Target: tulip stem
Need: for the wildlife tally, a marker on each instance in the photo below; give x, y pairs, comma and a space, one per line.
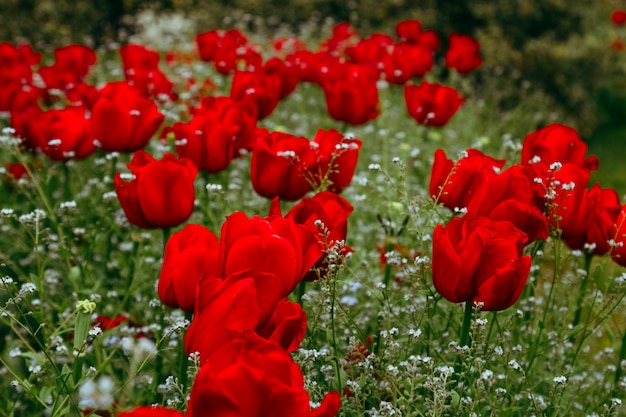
386, 278
67, 190
166, 235
109, 235
620, 360
158, 372
583, 285
333, 289
131, 276
209, 217
467, 321
301, 291
542, 322
182, 357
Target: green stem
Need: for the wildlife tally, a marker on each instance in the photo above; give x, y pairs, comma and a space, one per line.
386, 279
166, 235
467, 321
491, 326
67, 190
334, 336
109, 235
131, 276
583, 285
209, 216
301, 291
182, 357
158, 366
622, 357
542, 323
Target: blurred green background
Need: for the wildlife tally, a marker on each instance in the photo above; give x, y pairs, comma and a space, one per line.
559, 50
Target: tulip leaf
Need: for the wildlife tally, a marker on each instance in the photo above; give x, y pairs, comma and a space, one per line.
81, 329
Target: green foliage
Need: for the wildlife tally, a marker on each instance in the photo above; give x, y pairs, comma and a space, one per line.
556, 47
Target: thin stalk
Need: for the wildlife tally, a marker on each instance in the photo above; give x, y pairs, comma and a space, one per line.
333, 330
158, 366
158, 372
386, 278
209, 216
622, 357
182, 357
131, 275
546, 307
67, 189
583, 285
467, 321
301, 291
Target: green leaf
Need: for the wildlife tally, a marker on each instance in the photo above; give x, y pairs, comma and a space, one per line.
456, 399
82, 325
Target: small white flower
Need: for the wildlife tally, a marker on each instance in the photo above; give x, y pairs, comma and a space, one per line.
556, 166
68, 204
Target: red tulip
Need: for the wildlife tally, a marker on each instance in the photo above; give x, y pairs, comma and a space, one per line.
276, 167
229, 112
313, 67
618, 17
189, 255
556, 143
15, 170
122, 120
326, 215
16, 90
463, 53
273, 245
286, 72
210, 43
409, 30
227, 308
245, 301
261, 89
351, 93
509, 196
81, 94
209, 143
71, 65
430, 40
564, 192
63, 134
249, 377
243, 58
601, 208
161, 192
334, 159
407, 61
342, 36
455, 184
480, 260
286, 327
372, 51
26, 125
432, 104
141, 68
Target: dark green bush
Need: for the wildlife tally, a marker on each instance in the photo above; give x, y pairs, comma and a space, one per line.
559, 47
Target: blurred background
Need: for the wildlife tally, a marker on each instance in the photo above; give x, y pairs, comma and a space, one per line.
567, 55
